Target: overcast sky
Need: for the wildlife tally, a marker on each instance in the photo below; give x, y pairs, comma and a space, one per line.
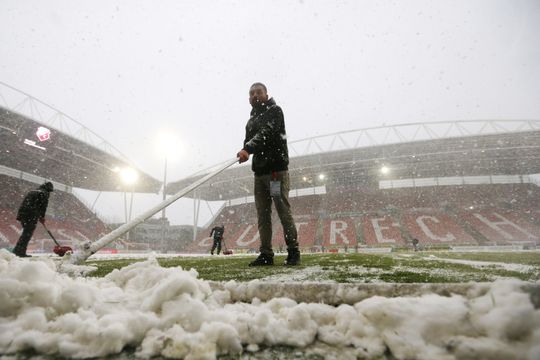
129, 70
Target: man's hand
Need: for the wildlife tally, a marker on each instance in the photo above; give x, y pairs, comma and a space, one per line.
42, 220
243, 156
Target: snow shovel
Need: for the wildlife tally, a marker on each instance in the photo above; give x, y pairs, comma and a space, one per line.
58, 249
226, 251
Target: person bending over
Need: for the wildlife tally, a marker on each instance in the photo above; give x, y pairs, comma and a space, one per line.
32, 209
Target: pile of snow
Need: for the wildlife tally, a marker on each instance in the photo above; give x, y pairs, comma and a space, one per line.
172, 313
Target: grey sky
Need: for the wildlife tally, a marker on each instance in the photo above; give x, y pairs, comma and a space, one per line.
129, 69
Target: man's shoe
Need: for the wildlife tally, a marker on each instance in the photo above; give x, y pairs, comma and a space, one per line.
293, 258
23, 255
263, 260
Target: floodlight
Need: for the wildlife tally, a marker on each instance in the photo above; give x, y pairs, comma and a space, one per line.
304, 178
385, 170
322, 176
129, 176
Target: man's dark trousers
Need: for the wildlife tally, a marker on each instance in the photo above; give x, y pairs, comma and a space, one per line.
28, 230
217, 243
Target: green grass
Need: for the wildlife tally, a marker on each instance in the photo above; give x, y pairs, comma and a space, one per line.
351, 268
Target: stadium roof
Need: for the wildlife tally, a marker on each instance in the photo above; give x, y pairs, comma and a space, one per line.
420, 150
68, 153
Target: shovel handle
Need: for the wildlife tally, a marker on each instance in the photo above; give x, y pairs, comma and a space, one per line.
50, 234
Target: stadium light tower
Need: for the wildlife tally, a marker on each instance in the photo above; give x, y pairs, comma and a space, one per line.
129, 177
168, 146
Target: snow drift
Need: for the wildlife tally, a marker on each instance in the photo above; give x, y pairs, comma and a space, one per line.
170, 312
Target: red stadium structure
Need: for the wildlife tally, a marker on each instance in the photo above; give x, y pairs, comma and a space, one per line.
39, 143
446, 184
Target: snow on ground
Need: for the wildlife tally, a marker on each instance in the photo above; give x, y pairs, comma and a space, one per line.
170, 312
323, 274
483, 264
309, 273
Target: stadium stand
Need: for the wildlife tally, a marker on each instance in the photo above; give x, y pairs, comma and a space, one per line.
435, 228
38, 143
67, 218
502, 227
339, 232
445, 183
437, 216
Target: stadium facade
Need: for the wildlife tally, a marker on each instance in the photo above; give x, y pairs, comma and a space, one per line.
40, 143
444, 183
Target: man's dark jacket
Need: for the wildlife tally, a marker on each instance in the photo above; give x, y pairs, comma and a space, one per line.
266, 139
218, 232
34, 206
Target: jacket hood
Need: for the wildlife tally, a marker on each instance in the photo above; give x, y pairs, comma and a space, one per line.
48, 186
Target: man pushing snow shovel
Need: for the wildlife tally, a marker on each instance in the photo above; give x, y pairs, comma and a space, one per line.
32, 209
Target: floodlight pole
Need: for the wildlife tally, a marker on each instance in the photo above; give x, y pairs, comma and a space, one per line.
162, 244
80, 255
131, 204
95, 201
125, 207
130, 211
